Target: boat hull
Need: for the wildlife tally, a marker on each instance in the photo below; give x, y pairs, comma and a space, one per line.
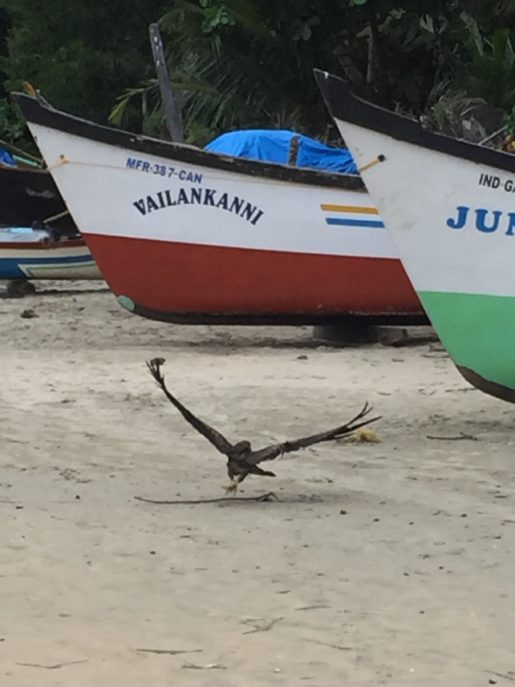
186, 235
481, 353
37, 260
30, 196
450, 208
234, 284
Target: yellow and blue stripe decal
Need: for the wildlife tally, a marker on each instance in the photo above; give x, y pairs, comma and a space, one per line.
344, 216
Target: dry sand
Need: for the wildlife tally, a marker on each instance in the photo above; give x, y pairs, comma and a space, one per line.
382, 564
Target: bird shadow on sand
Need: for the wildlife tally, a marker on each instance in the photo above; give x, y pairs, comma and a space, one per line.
266, 499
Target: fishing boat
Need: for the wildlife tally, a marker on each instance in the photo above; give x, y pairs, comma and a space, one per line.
187, 235
29, 196
449, 205
38, 237
27, 254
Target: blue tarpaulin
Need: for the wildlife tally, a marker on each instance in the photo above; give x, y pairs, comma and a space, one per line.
6, 158
273, 146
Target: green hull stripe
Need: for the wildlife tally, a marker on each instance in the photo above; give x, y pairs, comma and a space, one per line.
477, 330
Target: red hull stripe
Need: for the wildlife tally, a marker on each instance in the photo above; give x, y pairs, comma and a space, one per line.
183, 277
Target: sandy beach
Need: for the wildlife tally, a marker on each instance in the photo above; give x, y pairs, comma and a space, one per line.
385, 563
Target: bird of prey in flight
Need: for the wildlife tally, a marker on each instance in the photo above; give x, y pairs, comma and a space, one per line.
242, 460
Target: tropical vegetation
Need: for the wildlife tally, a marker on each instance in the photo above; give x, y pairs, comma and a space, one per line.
248, 63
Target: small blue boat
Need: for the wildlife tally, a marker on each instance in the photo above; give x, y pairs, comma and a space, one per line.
27, 253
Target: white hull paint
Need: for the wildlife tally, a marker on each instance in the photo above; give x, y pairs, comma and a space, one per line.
419, 193
104, 194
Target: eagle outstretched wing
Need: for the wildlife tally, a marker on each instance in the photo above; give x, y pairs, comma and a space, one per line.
275, 450
212, 435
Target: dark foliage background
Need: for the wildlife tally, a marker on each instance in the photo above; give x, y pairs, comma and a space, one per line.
248, 63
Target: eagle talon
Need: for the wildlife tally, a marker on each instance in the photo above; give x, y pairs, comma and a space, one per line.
232, 488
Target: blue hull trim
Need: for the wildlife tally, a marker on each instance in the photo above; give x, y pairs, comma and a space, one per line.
10, 267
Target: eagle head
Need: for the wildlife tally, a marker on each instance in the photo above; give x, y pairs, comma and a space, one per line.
242, 447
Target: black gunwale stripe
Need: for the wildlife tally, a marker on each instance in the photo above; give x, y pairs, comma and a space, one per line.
38, 113
344, 105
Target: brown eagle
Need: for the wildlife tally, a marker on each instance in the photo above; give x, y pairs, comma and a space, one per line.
241, 459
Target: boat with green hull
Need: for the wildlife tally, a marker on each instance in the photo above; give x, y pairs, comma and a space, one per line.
449, 206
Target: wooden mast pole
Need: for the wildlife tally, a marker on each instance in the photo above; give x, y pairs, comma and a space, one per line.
172, 112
